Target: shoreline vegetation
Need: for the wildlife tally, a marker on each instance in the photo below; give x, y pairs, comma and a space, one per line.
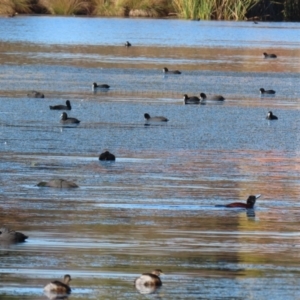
253, 10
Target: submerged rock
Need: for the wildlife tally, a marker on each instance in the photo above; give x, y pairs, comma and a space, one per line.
58, 183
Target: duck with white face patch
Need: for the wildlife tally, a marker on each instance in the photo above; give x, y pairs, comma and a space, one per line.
148, 282
270, 116
57, 289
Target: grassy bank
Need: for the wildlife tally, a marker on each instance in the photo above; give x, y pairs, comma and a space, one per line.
277, 10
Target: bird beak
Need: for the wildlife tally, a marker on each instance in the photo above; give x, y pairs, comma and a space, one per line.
257, 196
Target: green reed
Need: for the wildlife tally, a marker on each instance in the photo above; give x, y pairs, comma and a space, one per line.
234, 10
291, 11
188, 9
213, 9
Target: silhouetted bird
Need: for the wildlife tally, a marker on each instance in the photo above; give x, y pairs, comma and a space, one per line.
166, 71
270, 116
62, 107
155, 119
64, 119
107, 156
266, 55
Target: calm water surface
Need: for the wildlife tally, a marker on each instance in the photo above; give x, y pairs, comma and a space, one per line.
154, 207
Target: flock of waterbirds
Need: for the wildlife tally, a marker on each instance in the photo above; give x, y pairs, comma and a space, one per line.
202, 99
147, 282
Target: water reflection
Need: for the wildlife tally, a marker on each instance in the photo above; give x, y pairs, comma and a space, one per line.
55, 296
144, 290
250, 214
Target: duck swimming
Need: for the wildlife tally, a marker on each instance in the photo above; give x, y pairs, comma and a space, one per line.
35, 94
107, 156
10, 236
148, 283
248, 205
96, 86
62, 107
155, 119
58, 183
263, 91
266, 55
203, 97
59, 287
149, 279
270, 116
64, 119
191, 100
166, 71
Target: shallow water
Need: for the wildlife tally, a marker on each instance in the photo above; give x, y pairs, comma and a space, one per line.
155, 205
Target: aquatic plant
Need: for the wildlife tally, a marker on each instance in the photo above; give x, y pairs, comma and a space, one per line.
232, 9
10, 7
67, 7
291, 11
213, 9
194, 9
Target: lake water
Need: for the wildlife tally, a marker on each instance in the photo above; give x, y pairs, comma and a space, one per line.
154, 207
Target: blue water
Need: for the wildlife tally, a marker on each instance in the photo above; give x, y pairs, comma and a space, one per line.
105, 125
171, 33
155, 206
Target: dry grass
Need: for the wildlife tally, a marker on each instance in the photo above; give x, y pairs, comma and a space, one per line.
144, 13
106, 8
145, 8
67, 7
10, 7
